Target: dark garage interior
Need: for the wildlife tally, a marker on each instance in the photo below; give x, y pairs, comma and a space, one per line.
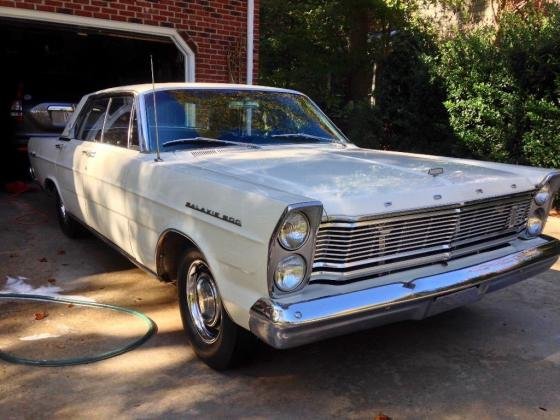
56, 65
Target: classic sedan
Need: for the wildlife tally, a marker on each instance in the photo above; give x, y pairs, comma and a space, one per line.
275, 226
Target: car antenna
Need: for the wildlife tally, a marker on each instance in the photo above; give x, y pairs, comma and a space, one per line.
158, 157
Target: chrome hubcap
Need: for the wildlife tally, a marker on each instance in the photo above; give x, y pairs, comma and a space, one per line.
62, 209
203, 301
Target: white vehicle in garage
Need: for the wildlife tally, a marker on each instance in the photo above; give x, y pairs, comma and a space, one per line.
275, 226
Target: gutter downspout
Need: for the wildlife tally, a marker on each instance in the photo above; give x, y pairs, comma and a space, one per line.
250, 36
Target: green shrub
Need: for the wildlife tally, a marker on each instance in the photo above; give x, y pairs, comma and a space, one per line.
541, 141
409, 114
503, 89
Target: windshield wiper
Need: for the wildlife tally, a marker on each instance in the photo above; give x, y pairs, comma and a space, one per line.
305, 136
209, 140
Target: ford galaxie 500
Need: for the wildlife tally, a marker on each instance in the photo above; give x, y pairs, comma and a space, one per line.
274, 225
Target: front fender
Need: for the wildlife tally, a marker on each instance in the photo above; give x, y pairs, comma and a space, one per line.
229, 220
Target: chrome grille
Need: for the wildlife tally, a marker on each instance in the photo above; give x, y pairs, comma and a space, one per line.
345, 250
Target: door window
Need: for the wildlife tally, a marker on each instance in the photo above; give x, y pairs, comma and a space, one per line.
90, 125
118, 121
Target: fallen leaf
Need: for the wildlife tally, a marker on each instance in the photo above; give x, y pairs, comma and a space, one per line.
41, 315
70, 305
382, 416
542, 409
52, 281
43, 259
61, 252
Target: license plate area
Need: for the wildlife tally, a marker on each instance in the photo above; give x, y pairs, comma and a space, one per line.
454, 300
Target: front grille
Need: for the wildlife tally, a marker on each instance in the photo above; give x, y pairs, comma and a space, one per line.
351, 249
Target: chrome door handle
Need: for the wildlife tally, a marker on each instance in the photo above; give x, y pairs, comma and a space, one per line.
88, 153
58, 146
33, 154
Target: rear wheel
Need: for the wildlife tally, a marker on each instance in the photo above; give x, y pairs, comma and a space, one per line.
215, 338
70, 227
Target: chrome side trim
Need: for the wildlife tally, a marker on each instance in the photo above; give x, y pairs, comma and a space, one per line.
288, 324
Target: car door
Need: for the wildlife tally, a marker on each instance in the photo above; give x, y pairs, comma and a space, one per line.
71, 162
107, 167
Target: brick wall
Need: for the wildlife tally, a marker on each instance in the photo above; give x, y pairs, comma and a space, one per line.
214, 29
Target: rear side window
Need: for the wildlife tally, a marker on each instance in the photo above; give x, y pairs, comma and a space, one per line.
90, 124
118, 121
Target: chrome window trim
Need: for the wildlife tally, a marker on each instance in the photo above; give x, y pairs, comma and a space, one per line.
342, 140
143, 125
91, 97
128, 137
105, 120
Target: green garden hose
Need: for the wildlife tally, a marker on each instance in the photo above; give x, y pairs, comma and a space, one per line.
152, 329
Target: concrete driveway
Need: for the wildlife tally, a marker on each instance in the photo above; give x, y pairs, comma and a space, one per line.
499, 358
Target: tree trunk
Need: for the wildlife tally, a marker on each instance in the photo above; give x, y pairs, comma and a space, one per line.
360, 69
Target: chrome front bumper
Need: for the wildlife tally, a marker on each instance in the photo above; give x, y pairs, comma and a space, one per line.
285, 325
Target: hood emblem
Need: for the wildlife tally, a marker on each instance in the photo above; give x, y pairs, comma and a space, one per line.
435, 171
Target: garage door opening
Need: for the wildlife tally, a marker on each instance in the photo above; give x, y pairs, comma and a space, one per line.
49, 67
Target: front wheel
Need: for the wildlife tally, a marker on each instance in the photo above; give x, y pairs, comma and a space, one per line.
215, 338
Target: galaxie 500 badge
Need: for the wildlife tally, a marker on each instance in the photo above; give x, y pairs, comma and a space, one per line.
213, 213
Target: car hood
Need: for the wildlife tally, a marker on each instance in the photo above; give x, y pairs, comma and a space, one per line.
355, 182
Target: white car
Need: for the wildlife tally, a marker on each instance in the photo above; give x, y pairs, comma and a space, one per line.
274, 225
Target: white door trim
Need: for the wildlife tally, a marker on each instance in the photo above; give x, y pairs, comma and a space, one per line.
113, 25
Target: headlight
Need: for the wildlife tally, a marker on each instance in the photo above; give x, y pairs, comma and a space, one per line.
290, 272
535, 223
543, 196
294, 231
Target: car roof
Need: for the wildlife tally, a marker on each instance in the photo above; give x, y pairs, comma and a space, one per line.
147, 87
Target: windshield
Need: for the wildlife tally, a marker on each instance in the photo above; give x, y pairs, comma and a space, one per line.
190, 118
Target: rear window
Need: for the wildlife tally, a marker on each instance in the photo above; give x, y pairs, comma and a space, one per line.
90, 121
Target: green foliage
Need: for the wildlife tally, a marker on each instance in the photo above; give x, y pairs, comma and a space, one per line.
541, 142
301, 44
503, 88
307, 45
409, 99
